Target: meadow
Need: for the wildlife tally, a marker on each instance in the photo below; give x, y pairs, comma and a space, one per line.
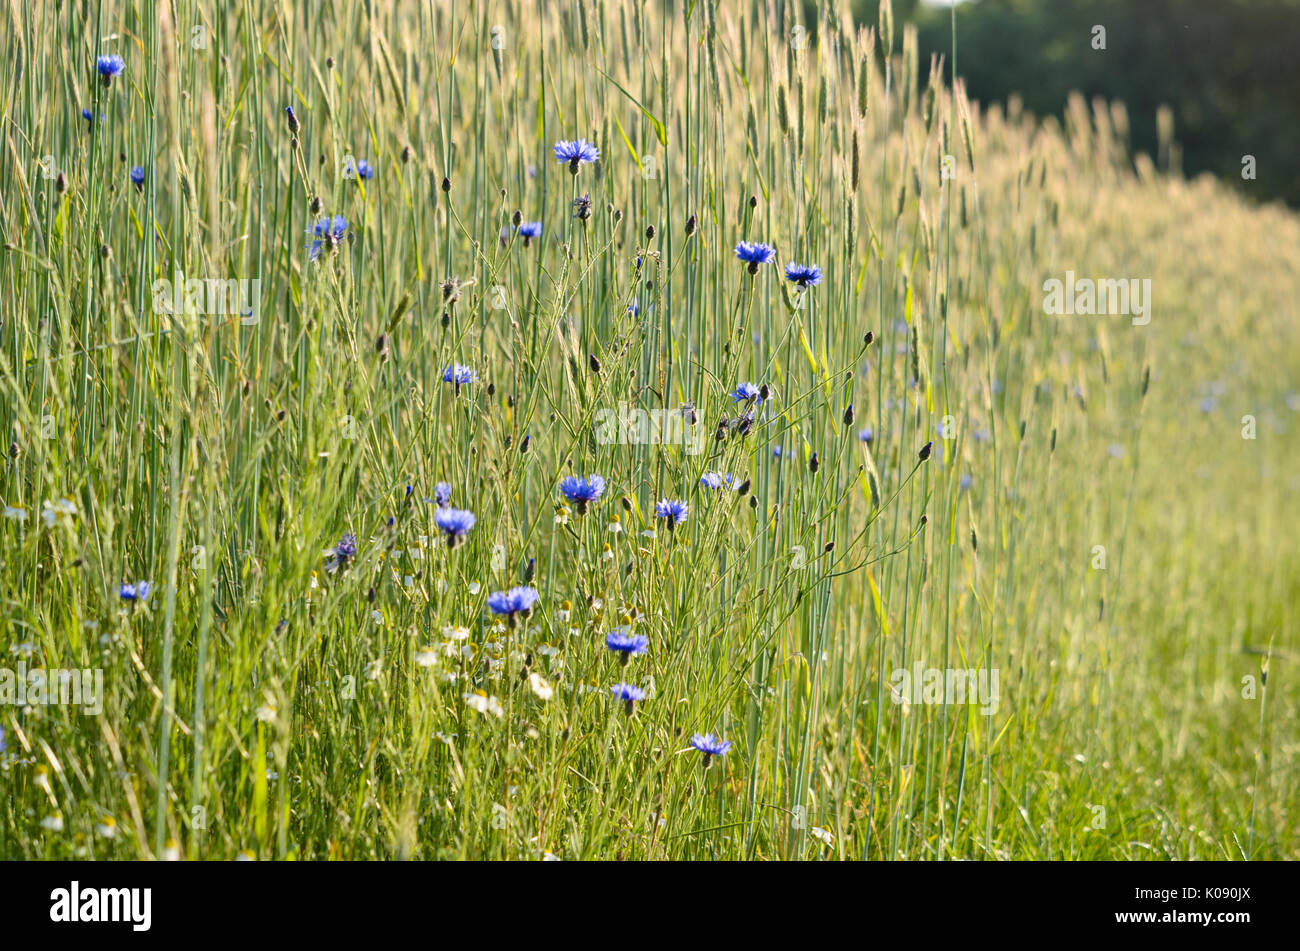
317, 318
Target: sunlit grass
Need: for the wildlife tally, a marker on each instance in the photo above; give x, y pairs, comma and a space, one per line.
261, 703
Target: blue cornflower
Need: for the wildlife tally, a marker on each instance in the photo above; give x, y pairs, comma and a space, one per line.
365, 170
137, 177
459, 374
776, 452
134, 592
715, 480
628, 694
867, 434
747, 391
582, 207
329, 233
90, 116
710, 746
343, 553
582, 491
529, 230
108, 67
755, 253
442, 494
966, 481
626, 644
675, 510
575, 153
805, 275
455, 522
2, 740
513, 603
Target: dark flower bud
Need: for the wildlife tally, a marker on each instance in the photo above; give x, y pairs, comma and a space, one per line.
650, 232
446, 320
753, 201
764, 392
329, 62
848, 416
61, 183
867, 338
690, 226
814, 464
743, 489
523, 446
446, 184
315, 205
406, 154
594, 364
517, 218
924, 454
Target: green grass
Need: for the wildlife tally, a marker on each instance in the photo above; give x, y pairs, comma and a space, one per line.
260, 704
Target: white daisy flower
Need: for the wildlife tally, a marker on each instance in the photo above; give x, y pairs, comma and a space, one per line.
540, 687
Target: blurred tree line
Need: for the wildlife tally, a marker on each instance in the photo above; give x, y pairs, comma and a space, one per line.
1228, 69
